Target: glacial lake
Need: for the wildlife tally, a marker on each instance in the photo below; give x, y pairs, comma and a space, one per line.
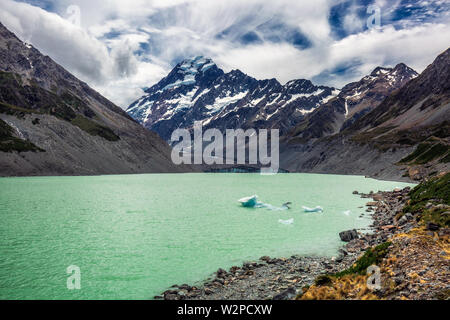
133, 236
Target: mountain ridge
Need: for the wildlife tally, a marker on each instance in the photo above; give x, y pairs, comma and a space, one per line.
223, 100
405, 137
236, 100
317, 123
354, 100
55, 124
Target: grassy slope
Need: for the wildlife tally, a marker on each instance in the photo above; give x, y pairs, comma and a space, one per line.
19, 100
9, 143
434, 191
426, 152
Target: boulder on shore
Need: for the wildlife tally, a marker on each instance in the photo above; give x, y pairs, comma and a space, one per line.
286, 295
348, 235
432, 226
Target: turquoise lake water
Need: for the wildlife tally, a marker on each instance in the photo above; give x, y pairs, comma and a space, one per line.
133, 236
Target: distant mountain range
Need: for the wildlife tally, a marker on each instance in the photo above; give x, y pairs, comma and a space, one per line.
367, 127
197, 90
392, 124
354, 101
51, 123
403, 136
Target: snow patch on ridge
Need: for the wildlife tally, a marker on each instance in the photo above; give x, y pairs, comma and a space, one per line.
346, 108
188, 80
221, 103
333, 94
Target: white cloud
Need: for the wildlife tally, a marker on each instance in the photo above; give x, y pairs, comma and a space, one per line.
103, 64
68, 44
130, 88
416, 47
123, 46
353, 23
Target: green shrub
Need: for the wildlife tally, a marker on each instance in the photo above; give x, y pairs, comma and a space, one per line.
443, 295
371, 256
94, 128
421, 148
323, 280
77, 104
19, 99
436, 216
5, 129
15, 144
14, 110
435, 190
445, 159
426, 152
433, 153
9, 143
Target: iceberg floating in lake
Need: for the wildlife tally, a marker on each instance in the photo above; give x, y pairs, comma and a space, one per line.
249, 202
286, 222
252, 202
316, 209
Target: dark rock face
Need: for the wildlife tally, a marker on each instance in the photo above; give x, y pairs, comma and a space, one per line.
430, 90
197, 90
353, 102
288, 294
323, 130
349, 235
432, 226
80, 131
331, 140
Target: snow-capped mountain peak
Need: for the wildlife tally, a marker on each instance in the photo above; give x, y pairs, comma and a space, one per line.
355, 100
198, 90
189, 70
196, 71
400, 73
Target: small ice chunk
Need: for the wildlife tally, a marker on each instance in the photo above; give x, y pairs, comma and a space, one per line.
286, 222
316, 209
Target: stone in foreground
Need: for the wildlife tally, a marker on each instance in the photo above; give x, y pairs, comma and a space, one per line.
349, 235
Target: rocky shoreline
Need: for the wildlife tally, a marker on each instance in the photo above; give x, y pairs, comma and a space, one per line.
286, 278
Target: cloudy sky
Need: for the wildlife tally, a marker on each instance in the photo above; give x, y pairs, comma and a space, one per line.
120, 47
